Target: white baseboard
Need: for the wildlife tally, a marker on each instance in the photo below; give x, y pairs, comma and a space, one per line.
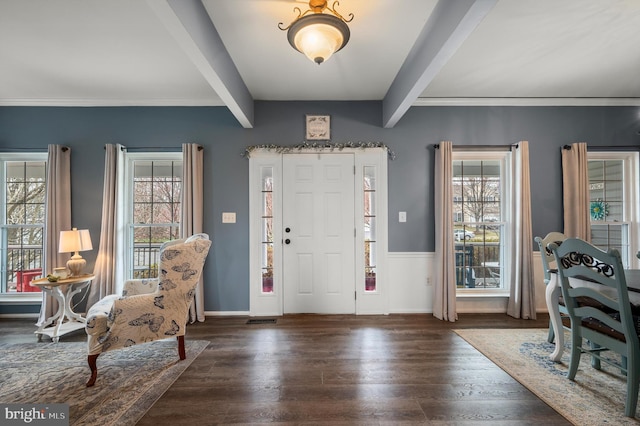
226, 313
34, 316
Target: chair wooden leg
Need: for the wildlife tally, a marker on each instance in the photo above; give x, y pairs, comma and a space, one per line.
91, 359
633, 377
181, 350
576, 344
595, 362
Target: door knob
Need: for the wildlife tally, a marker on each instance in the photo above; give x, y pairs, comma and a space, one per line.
287, 241
287, 229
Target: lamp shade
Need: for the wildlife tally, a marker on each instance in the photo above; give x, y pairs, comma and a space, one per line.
318, 36
75, 241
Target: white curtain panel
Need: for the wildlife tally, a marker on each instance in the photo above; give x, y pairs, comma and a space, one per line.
575, 191
192, 212
444, 301
57, 218
108, 268
522, 298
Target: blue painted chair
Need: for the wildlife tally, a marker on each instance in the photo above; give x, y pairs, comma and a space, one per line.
547, 260
607, 323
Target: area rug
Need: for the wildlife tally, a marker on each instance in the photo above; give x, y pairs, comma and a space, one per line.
129, 380
594, 398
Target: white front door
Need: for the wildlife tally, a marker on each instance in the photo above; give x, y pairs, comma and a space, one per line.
318, 231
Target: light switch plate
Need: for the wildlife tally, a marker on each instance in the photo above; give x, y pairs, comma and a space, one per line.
228, 217
402, 216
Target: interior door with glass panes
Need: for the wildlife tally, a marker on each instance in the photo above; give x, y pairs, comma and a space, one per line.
318, 233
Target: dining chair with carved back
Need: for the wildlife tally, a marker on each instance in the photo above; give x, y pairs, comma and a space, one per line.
600, 314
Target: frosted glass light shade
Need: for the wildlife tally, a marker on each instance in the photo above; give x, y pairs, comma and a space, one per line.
318, 36
318, 42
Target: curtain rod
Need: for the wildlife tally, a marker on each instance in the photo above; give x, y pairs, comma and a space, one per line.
480, 147
64, 149
608, 148
155, 148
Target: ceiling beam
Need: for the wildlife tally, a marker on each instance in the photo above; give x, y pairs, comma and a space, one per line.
446, 29
189, 23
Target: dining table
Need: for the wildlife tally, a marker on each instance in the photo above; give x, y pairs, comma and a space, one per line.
552, 297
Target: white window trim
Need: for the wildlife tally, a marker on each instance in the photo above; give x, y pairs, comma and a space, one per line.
506, 188
18, 298
367, 303
631, 170
125, 210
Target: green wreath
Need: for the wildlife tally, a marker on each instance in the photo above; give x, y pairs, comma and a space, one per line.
599, 210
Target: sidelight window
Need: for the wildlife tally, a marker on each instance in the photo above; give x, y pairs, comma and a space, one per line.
267, 229
370, 243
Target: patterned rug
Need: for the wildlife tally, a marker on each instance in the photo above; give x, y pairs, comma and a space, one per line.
594, 398
129, 380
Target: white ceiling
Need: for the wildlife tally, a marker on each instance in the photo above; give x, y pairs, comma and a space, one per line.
401, 52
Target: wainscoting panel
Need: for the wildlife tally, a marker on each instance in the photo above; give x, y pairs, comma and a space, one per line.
411, 280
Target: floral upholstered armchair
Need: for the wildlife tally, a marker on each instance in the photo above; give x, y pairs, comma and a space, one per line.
149, 309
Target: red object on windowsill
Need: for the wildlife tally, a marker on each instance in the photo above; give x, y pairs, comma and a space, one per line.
370, 283
24, 278
267, 284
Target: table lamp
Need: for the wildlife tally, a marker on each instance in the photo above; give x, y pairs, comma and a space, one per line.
75, 241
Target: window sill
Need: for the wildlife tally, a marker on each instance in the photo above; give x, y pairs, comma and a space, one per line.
481, 293
21, 298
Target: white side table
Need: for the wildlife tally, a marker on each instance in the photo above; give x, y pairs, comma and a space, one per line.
63, 291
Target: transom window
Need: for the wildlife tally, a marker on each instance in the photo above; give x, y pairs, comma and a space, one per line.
23, 189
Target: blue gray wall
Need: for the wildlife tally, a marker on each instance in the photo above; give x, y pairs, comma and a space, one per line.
87, 130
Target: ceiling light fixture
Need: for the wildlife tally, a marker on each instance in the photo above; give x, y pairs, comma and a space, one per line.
317, 34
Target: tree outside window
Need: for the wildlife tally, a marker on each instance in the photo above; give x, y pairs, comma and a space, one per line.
155, 210
24, 189
478, 224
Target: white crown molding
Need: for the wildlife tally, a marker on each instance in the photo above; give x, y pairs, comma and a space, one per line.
527, 102
70, 102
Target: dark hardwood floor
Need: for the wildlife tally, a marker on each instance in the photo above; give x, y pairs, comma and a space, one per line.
342, 369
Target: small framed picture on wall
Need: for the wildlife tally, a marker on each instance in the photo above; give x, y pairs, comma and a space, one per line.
318, 127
